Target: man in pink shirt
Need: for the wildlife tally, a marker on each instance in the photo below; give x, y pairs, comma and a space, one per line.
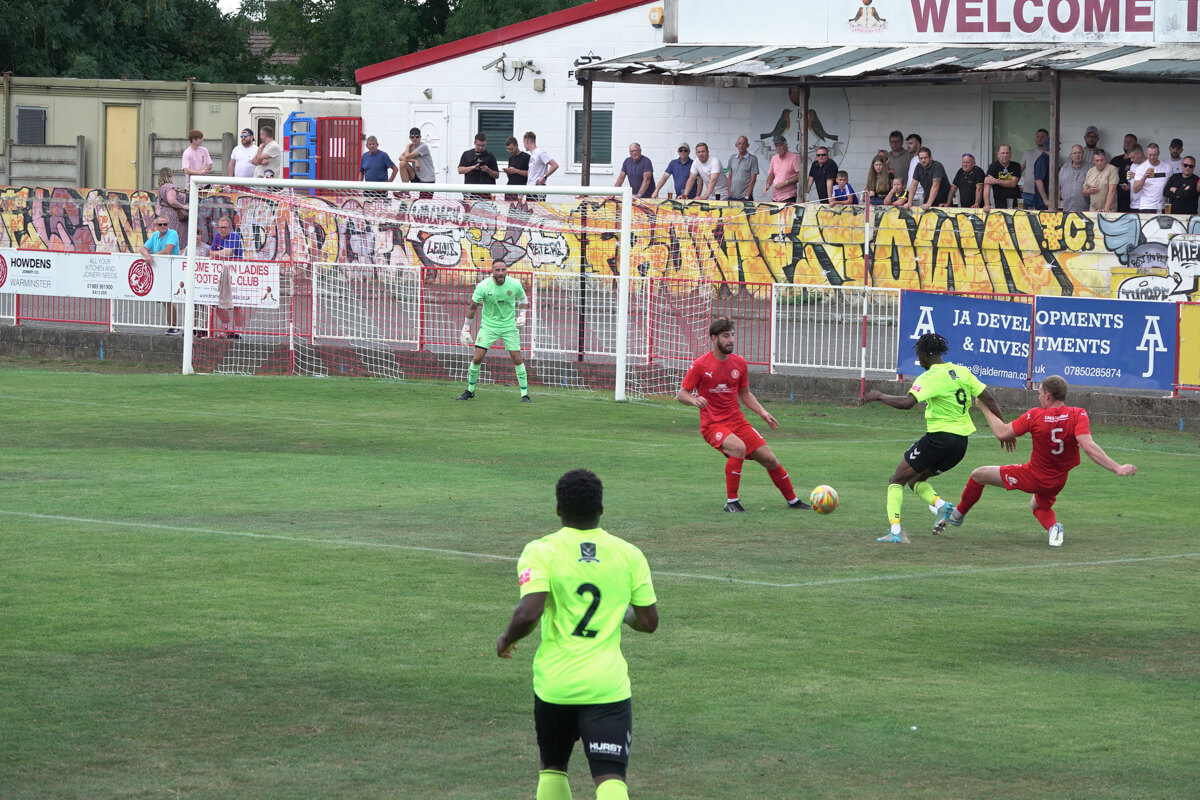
196, 160
783, 177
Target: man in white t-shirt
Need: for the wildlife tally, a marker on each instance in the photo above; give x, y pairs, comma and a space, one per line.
707, 172
541, 165
1149, 180
240, 163
269, 157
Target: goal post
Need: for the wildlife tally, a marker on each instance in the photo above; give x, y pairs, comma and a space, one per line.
360, 278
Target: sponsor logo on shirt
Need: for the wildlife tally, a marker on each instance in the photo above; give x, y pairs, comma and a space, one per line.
720, 388
525, 577
1011, 480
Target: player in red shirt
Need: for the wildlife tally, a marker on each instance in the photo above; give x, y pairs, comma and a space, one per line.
717, 384
1058, 432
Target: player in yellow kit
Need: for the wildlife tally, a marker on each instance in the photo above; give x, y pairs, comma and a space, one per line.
581, 582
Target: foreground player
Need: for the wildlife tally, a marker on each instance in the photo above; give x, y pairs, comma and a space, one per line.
1058, 432
714, 384
582, 583
947, 391
500, 296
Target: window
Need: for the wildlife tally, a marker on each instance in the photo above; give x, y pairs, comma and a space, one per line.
496, 124
602, 148
31, 125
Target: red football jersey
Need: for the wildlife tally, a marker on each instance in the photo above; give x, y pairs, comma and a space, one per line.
1054, 432
718, 382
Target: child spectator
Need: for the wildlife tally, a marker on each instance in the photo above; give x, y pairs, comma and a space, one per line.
898, 196
843, 192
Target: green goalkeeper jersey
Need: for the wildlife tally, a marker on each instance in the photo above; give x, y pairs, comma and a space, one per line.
947, 391
499, 302
591, 577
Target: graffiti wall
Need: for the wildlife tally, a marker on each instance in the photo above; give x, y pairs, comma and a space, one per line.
1049, 252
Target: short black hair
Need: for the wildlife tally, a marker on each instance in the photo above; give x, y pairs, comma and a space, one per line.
931, 344
579, 494
895, 135
719, 326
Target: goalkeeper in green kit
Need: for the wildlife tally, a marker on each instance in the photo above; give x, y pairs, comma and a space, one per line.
501, 297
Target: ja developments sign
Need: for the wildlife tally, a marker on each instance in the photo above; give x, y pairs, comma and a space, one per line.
108, 276
989, 337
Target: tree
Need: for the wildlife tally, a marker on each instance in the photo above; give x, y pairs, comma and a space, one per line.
469, 17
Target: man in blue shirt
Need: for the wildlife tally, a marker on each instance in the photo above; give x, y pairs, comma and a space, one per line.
679, 169
164, 241
375, 164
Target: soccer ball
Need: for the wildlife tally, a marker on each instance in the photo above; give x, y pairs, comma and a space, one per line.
824, 499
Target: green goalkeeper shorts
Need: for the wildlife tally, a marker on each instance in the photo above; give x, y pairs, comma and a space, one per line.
511, 337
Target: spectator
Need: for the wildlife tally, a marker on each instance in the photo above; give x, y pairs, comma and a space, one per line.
640, 172
707, 172
784, 173
477, 165
898, 196
1176, 160
163, 242
269, 158
1182, 190
822, 173
1071, 178
240, 163
1100, 184
680, 169
1149, 182
172, 205
541, 165
1091, 143
227, 246
967, 184
1003, 179
743, 171
913, 142
373, 167
416, 162
518, 163
843, 193
931, 176
879, 180
1035, 173
1122, 164
196, 160
898, 156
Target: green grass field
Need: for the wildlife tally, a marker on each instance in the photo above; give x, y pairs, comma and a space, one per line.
216, 587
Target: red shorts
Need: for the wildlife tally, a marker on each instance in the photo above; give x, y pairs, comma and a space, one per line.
1023, 477
715, 435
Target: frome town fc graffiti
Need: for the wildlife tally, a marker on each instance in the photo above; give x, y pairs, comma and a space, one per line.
757, 243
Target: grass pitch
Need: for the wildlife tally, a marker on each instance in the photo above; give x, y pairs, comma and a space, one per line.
217, 587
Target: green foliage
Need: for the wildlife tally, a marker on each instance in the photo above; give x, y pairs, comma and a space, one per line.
218, 587
136, 39
469, 17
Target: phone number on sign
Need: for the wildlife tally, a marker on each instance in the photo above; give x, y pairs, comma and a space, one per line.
1093, 372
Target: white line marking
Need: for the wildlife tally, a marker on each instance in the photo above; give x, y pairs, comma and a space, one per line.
941, 573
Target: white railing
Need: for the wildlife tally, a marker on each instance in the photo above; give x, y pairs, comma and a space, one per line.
834, 327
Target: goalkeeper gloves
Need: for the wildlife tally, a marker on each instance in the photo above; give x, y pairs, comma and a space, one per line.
465, 335
521, 320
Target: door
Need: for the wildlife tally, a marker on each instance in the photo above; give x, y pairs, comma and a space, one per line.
431, 119
120, 147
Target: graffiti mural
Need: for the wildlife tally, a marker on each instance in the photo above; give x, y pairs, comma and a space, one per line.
755, 244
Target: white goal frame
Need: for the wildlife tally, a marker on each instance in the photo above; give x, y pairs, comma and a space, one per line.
624, 193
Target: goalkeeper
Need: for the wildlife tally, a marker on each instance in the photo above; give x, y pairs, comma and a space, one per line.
500, 297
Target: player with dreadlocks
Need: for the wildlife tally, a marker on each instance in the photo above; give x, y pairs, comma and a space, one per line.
947, 390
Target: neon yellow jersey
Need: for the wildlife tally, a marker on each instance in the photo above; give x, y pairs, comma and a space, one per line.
948, 391
591, 577
499, 302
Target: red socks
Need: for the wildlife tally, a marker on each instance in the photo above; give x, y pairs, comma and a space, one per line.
970, 496
733, 477
783, 483
1045, 516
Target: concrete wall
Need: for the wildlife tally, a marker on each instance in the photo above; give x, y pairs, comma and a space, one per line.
45, 164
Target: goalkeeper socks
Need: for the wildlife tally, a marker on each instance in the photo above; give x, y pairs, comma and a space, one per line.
783, 483
970, 496
926, 493
895, 499
612, 789
522, 379
553, 785
733, 477
1045, 516
473, 376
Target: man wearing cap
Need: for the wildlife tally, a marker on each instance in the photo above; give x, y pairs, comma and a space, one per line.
743, 171
1175, 148
679, 169
783, 175
416, 162
1091, 143
240, 165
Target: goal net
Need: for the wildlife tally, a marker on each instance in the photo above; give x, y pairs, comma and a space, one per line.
327, 278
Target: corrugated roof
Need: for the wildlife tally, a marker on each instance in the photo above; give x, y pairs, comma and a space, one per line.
832, 62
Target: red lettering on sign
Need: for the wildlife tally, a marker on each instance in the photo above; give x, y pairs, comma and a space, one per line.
1053, 15
1101, 15
968, 21
928, 13
1139, 8
996, 25
1026, 25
